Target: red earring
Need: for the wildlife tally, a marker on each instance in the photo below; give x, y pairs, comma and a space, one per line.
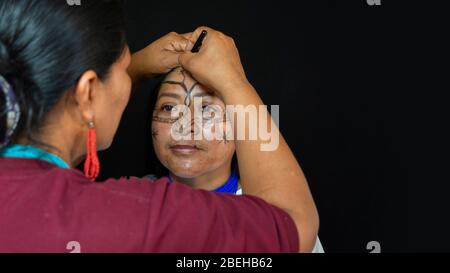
92, 164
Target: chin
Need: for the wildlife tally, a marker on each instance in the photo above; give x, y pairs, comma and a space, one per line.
187, 173
104, 146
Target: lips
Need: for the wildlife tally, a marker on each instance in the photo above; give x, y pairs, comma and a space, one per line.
184, 149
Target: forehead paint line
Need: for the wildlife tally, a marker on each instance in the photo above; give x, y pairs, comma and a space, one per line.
188, 98
188, 102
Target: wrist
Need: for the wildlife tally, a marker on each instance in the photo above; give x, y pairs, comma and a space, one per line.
239, 93
138, 68
134, 69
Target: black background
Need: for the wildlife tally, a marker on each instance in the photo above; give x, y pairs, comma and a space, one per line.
349, 108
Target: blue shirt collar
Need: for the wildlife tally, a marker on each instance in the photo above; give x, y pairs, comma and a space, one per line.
230, 186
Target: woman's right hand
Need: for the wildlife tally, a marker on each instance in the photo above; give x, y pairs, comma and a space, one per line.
217, 65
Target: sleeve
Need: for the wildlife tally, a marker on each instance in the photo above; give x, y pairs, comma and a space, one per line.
182, 219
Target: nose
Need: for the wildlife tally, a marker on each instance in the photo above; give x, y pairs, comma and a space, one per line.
192, 127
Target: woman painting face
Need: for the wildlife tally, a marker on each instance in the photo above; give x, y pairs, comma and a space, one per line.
190, 157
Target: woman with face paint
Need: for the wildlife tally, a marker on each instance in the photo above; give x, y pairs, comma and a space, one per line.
204, 162
65, 80
197, 162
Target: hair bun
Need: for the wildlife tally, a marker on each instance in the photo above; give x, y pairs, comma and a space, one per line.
4, 56
3, 49
7, 68
10, 109
10, 113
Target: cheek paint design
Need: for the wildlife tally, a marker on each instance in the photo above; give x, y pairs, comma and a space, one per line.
155, 134
164, 120
221, 122
227, 130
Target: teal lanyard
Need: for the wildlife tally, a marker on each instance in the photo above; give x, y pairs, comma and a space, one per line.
30, 152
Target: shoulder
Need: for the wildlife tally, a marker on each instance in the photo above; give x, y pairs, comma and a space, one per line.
127, 189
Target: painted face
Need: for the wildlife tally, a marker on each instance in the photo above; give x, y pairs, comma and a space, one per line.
192, 156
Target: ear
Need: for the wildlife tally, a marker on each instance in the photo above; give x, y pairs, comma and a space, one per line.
85, 93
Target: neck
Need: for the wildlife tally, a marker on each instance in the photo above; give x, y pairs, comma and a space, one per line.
65, 145
208, 181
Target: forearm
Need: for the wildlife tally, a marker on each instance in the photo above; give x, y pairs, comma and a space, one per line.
137, 67
274, 176
158, 57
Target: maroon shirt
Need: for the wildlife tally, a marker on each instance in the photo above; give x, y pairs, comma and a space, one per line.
44, 207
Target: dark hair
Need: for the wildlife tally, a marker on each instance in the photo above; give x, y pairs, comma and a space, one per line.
45, 47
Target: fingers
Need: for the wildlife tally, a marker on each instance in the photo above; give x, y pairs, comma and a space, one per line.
178, 42
185, 42
186, 60
190, 41
191, 38
198, 31
188, 36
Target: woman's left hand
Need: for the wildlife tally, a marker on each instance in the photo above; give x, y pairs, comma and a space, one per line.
160, 56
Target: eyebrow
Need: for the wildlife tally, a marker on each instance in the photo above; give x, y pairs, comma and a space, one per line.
202, 95
170, 95
176, 96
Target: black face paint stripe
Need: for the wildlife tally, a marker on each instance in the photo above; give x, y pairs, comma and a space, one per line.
188, 99
164, 120
155, 133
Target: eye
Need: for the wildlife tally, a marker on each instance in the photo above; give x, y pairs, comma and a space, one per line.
210, 111
207, 108
167, 108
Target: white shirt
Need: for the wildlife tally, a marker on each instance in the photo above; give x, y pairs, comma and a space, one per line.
318, 248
